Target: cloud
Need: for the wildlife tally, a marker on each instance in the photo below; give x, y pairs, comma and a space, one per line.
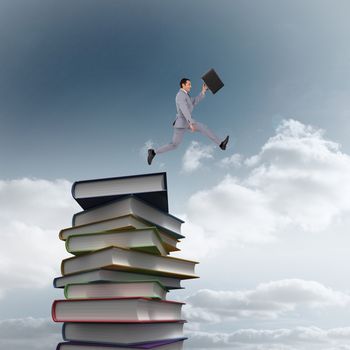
29, 333
297, 182
299, 338
298, 165
32, 211
267, 301
240, 213
235, 161
195, 153
41, 333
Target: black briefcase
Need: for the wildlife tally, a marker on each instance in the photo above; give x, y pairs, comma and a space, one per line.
213, 81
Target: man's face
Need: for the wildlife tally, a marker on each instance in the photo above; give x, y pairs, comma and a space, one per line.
187, 86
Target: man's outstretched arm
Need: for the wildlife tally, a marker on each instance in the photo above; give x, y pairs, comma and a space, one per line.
197, 99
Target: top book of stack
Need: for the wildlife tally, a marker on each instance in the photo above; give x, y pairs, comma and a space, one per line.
151, 188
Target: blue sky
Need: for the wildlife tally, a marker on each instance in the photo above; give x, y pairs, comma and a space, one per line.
84, 81
86, 85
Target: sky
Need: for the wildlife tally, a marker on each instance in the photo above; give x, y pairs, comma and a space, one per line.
86, 86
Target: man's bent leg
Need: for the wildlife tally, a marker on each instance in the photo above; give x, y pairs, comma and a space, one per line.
177, 138
207, 132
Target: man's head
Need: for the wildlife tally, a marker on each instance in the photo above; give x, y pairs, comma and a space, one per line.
185, 84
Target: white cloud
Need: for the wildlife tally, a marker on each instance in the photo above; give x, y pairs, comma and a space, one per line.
29, 333
195, 245
304, 175
299, 338
297, 182
194, 155
31, 214
267, 301
235, 160
237, 212
39, 334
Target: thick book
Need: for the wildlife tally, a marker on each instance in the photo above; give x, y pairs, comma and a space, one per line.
108, 276
126, 222
124, 310
124, 334
126, 206
171, 344
145, 289
129, 260
152, 188
146, 240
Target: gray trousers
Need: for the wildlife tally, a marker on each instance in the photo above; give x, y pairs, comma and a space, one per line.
179, 134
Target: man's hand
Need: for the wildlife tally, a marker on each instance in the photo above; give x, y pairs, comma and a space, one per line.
192, 127
204, 88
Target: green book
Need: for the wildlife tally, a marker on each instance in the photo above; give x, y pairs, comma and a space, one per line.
147, 240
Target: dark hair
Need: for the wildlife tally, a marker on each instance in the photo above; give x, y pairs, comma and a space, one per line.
183, 81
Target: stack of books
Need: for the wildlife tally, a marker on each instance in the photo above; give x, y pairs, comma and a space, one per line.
116, 282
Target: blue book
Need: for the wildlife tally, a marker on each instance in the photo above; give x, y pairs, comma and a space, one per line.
170, 344
122, 334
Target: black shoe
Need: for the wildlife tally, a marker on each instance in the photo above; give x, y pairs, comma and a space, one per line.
151, 155
223, 144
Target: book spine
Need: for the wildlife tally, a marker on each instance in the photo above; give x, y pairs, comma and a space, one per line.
53, 311
73, 189
64, 337
165, 181
60, 235
65, 291
66, 245
73, 219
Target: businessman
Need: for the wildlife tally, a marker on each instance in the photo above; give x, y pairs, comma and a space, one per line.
184, 120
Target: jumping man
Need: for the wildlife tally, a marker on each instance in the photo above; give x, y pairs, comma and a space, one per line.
184, 120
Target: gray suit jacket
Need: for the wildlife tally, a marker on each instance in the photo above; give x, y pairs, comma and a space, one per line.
184, 108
